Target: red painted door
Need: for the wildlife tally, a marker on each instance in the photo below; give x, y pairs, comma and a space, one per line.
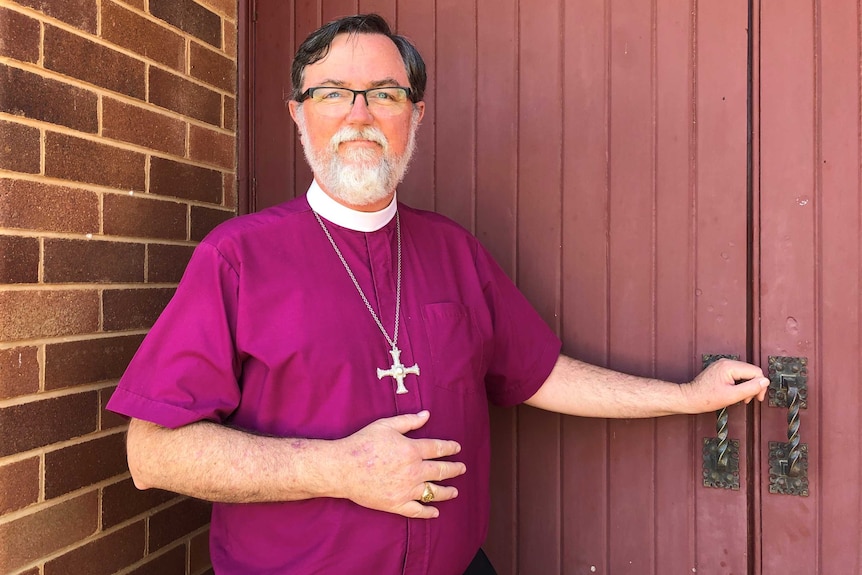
663, 180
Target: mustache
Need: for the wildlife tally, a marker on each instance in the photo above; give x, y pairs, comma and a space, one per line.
350, 134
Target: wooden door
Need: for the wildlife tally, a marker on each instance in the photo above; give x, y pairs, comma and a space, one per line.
663, 179
810, 266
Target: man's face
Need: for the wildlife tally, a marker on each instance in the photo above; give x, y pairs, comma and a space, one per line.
358, 157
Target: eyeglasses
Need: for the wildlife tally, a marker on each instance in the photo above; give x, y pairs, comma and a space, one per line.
331, 101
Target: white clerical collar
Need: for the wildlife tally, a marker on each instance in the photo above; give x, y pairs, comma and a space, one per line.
345, 217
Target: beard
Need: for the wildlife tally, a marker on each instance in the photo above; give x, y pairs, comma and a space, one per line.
359, 176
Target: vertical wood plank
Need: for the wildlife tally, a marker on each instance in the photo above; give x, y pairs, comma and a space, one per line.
386, 8
274, 143
455, 146
789, 206
496, 212
307, 18
674, 279
416, 21
333, 9
540, 117
632, 274
722, 317
585, 312
839, 396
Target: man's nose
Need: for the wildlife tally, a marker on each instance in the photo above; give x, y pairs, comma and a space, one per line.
359, 112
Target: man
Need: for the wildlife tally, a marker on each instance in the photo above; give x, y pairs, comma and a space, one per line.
323, 371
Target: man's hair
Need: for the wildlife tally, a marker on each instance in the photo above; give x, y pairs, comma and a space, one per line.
317, 45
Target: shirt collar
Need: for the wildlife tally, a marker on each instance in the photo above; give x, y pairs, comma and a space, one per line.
346, 217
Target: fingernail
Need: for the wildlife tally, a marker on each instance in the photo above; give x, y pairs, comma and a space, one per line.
764, 382
424, 413
454, 495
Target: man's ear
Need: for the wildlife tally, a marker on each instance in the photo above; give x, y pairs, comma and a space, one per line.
421, 107
293, 106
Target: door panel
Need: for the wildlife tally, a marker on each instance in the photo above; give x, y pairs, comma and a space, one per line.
598, 149
810, 263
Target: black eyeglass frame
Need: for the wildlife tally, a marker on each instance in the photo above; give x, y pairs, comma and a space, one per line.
308, 93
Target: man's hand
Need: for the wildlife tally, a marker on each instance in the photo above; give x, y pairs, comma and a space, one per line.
379, 468
725, 382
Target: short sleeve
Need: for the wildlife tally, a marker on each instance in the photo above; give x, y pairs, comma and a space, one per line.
524, 349
187, 368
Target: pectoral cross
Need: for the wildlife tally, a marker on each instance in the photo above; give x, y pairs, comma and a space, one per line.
398, 371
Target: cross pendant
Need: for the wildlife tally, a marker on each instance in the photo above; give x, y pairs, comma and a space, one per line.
398, 371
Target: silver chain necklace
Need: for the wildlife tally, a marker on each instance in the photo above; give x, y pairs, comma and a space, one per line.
397, 371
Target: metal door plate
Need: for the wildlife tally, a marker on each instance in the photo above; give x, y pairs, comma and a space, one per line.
779, 481
783, 373
727, 478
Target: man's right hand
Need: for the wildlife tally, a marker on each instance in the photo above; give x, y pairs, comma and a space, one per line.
380, 468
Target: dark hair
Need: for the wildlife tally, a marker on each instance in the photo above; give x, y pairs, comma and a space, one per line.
316, 46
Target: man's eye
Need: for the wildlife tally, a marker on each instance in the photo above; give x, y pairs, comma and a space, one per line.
330, 94
383, 95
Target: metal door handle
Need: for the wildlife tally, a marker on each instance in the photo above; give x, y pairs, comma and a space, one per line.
720, 454
788, 462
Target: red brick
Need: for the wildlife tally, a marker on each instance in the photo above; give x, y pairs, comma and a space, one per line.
213, 68
79, 13
180, 180
107, 554
109, 419
19, 36
92, 261
30, 95
205, 219
211, 147
189, 17
83, 464
169, 525
20, 481
43, 207
229, 187
97, 64
19, 372
229, 120
187, 98
40, 423
143, 127
172, 562
230, 37
126, 309
121, 501
142, 36
79, 160
19, 260
71, 363
20, 149
199, 552
38, 314
224, 7
47, 531
141, 217
166, 263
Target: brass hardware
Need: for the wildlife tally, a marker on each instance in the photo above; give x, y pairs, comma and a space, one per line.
788, 462
720, 454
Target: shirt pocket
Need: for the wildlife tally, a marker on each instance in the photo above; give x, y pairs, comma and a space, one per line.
455, 347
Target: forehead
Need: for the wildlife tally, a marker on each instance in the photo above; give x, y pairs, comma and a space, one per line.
358, 60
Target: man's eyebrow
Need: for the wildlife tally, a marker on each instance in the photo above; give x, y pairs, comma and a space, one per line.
375, 84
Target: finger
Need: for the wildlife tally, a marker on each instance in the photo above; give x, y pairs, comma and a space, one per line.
748, 390
407, 422
441, 470
436, 448
739, 370
416, 510
438, 492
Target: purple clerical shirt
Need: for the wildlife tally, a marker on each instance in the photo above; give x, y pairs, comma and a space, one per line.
267, 333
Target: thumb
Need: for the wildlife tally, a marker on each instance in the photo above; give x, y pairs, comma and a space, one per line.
748, 390
407, 422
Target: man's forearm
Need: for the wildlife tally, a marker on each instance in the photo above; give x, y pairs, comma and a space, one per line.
578, 388
217, 463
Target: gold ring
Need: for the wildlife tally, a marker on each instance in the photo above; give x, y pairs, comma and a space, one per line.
427, 495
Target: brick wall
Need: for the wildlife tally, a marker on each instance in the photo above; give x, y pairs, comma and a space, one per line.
117, 154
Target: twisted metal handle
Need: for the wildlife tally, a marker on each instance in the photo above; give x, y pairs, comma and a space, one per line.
723, 448
794, 453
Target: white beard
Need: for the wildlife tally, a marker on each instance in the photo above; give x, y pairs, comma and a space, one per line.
358, 178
